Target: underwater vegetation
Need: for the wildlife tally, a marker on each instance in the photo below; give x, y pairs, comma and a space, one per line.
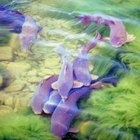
110, 113
4, 77
24, 126
115, 112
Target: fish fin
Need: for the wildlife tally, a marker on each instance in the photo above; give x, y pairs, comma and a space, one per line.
77, 84
97, 85
106, 39
60, 50
74, 130
54, 85
46, 111
130, 37
94, 77
37, 113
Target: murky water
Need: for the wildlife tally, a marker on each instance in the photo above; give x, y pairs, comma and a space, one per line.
110, 113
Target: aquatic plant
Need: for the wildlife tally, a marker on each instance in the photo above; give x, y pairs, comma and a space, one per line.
113, 112
24, 125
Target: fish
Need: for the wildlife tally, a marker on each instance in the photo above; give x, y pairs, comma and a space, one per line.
84, 19
65, 112
29, 33
42, 94
12, 19
51, 104
118, 35
109, 80
65, 79
93, 43
81, 62
81, 68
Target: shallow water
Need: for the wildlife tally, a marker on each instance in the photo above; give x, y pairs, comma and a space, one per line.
111, 113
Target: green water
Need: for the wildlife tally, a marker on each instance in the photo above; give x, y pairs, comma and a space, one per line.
112, 113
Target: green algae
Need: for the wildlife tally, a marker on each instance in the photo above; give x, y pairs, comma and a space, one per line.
24, 125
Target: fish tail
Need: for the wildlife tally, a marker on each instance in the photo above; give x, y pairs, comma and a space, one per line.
62, 52
93, 43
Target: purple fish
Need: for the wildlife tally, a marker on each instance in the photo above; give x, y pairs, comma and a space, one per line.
81, 63
52, 102
66, 111
92, 44
81, 68
29, 33
65, 79
118, 34
11, 19
42, 94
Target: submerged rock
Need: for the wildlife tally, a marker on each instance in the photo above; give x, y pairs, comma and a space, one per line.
46, 72
33, 72
51, 62
4, 76
32, 87
34, 80
2, 98
14, 42
17, 102
6, 54
17, 85
5, 110
9, 101
18, 68
1, 81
